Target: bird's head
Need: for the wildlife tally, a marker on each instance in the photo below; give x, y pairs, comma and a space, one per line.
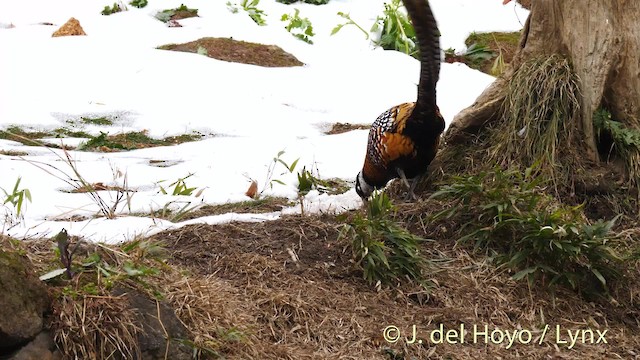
363, 189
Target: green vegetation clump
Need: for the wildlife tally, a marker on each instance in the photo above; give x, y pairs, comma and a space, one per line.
488, 39
115, 8
396, 31
498, 44
299, 27
131, 141
181, 12
474, 56
307, 181
139, 3
66, 132
96, 121
625, 142
103, 141
15, 133
506, 213
251, 8
386, 252
17, 198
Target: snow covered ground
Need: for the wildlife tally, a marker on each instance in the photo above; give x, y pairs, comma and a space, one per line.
255, 112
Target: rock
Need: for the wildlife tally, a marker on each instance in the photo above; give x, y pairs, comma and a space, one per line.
70, 28
153, 341
24, 300
39, 348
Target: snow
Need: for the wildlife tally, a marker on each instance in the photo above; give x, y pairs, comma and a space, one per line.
249, 113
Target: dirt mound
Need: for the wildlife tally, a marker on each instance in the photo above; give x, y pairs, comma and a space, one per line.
231, 50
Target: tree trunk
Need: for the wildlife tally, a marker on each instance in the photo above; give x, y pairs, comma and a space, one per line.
600, 38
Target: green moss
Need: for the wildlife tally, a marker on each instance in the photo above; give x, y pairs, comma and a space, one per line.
15, 133
66, 132
492, 39
133, 140
181, 12
103, 141
97, 121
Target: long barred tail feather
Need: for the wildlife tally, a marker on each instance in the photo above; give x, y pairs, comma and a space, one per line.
428, 37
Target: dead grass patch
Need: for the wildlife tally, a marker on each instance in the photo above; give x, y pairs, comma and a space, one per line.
231, 50
13, 153
307, 296
96, 327
262, 205
288, 289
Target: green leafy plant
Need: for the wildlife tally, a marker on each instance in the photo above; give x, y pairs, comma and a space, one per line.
307, 181
251, 7
180, 187
475, 54
386, 252
115, 8
127, 264
396, 31
169, 212
66, 257
299, 27
528, 231
100, 140
17, 197
269, 181
232, 7
139, 3
349, 22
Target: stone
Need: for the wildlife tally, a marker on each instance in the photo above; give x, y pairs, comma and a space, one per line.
152, 340
70, 28
40, 348
24, 300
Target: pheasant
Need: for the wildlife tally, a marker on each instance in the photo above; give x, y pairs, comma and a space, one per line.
404, 139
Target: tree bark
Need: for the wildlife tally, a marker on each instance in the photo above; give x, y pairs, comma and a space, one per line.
601, 39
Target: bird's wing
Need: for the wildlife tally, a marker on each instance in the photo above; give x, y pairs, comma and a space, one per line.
387, 135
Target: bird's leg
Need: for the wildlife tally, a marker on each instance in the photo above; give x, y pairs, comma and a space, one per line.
414, 183
410, 186
403, 177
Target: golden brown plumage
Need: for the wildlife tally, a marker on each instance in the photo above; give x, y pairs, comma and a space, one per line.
404, 139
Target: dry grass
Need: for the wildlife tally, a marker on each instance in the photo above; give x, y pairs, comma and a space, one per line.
315, 305
96, 327
288, 289
539, 119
